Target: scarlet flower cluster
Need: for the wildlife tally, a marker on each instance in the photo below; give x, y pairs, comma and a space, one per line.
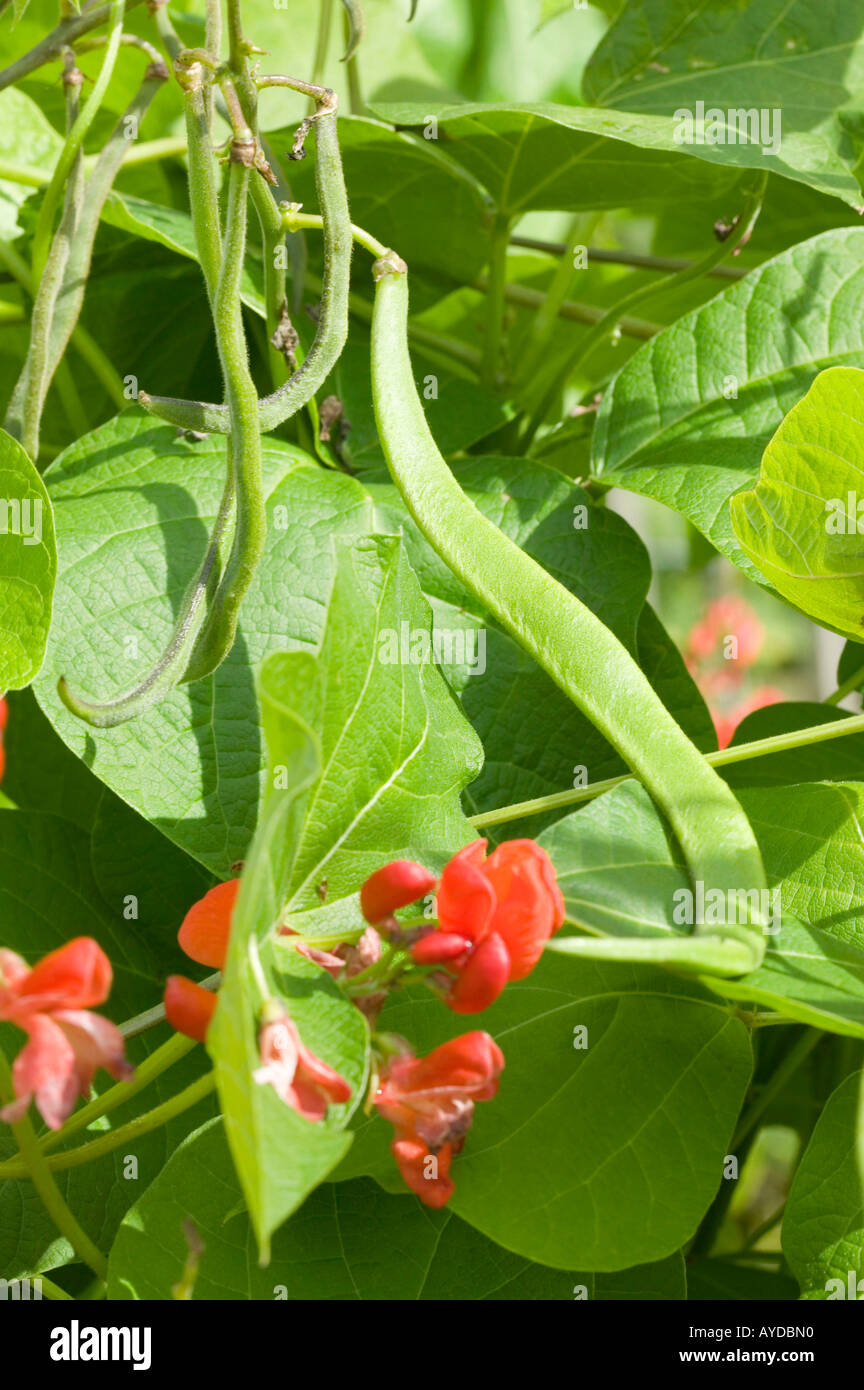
66, 1042
495, 916
297, 1076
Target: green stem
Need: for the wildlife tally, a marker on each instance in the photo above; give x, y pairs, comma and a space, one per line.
495, 300
250, 529
33, 1165
322, 42
545, 321
107, 1143
568, 641
74, 143
665, 264
610, 320
355, 91
794, 1058
332, 330
849, 686
53, 1291
51, 47
724, 757
528, 298
122, 1091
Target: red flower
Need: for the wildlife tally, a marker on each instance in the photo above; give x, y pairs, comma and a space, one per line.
430, 1103
495, 916
188, 1007
204, 933
67, 1043
393, 886
297, 1076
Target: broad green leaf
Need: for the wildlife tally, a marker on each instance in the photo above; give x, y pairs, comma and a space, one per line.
351, 1241
396, 751
28, 566
599, 1156
797, 66
434, 214
366, 760
851, 663
800, 525
135, 505
830, 760
622, 879
823, 1225
26, 138
168, 227
280, 1156
40, 770
811, 843
569, 158
48, 895
688, 418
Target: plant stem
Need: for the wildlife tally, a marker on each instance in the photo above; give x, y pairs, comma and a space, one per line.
322, 42
74, 143
107, 1143
528, 298
742, 752
122, 1091
51, 1290
851, 684
35, 1166
495, 301
610, 320
355, 92
631, 258
67, 31
539, 336
794, 1058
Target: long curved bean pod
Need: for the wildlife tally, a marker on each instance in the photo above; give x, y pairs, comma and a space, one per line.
573, 646
332, 331
170, 669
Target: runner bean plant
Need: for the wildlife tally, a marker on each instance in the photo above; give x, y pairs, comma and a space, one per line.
335, 707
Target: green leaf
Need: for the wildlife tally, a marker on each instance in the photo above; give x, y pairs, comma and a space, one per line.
167, 227
687, 419
280, 1156
351, 1241
433, 214
800, 524
823, 1225
135, 504
26, 137
568, 158
28, 566
379, 778
810, 838
801, 67
831, 760
601, 1156
623, 882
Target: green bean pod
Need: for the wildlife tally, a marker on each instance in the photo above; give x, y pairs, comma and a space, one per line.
332, 330
568, 641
